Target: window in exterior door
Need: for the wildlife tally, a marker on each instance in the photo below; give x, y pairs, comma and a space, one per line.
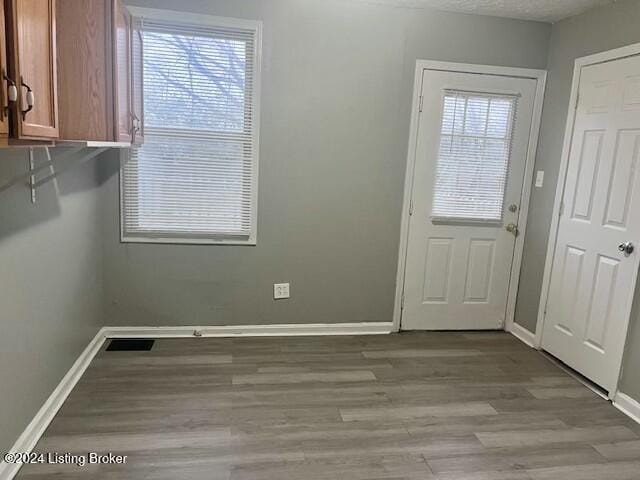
473, 159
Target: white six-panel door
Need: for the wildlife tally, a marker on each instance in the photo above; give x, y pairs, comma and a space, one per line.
592, 280
459, 252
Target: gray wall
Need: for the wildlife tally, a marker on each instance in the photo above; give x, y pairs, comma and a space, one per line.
336, 94
51, 287
600, 29
630, 381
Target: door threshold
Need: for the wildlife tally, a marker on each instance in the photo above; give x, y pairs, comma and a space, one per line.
595, 388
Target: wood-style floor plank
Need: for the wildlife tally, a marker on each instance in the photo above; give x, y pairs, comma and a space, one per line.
411, 406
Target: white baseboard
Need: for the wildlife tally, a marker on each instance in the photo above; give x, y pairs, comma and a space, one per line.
523, 334
27, 441
365, 328
627, 405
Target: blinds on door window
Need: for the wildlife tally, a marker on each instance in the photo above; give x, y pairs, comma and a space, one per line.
195, 177
473, 159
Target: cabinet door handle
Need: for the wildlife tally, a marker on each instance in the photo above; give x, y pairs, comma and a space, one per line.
31, 99
12, 92
135, 127
4, 106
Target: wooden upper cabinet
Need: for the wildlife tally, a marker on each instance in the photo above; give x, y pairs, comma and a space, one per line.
99, 54
31, 48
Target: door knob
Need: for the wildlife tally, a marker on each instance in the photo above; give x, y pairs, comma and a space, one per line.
512, 228
626, 248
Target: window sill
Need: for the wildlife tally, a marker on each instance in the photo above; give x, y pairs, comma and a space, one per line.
250, 242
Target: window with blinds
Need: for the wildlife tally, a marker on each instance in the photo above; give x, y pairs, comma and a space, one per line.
194, 180
473, 159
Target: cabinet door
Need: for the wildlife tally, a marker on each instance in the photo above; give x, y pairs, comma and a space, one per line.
137, 75
122, 72
85, 103
4, 101
31, 28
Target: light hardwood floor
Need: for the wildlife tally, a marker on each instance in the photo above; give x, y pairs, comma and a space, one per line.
447, 406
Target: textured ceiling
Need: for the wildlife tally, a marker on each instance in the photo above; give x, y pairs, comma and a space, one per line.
541, 10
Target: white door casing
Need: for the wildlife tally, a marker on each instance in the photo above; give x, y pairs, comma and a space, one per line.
592, 283
457, 273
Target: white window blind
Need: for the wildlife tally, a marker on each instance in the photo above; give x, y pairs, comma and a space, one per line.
473, 159
195, 177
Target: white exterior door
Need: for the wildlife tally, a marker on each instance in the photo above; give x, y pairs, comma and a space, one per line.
472, 141
592, 281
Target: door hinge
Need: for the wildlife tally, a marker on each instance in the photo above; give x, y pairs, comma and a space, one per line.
577, 100
561, 211
420, 103
410, 207
402, 302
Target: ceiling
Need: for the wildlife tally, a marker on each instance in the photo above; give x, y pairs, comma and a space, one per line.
540, 10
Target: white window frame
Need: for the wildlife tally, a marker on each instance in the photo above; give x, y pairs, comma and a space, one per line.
207, 20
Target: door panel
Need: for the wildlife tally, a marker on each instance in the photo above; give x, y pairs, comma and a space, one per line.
479, 271
589, 161
569, 286
33, 67
122, 72
4, 101
470, 158
605, 277
590, 299
437, 269
622, 179
137, 78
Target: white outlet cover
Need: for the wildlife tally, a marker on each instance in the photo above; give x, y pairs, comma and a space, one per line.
280, 290
539, 178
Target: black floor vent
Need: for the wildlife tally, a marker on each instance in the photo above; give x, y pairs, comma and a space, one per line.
130, 345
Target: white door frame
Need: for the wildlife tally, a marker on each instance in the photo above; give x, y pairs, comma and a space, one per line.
602, 57
540, 76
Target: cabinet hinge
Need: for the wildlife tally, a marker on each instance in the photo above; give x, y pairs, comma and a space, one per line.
420, 103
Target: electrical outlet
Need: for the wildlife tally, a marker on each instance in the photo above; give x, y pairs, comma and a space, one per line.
539, 179
280, 290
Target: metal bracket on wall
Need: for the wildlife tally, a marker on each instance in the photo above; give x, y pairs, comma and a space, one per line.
94, 153
30, 175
